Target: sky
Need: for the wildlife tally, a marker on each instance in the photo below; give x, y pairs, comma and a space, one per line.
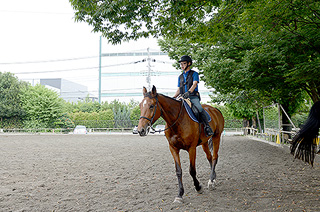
40, 39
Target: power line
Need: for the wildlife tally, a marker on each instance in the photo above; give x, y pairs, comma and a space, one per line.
77, 78
47, 61
36, 12
89, 57
76, 69
64, 70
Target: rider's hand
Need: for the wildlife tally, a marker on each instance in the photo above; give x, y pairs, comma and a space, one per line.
186, 95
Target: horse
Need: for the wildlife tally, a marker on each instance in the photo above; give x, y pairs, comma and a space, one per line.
182, 133
303, 145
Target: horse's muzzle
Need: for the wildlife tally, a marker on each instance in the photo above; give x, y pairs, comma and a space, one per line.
142, 132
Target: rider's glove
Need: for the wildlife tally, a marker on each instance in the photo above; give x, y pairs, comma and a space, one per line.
186, 95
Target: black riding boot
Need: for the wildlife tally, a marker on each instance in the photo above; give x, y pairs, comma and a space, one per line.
207, 127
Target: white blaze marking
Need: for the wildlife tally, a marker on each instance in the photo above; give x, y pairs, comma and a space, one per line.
144, 103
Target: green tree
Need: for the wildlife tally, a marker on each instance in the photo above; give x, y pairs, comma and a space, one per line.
132, 19
88, 106
10, 101
285, 32
106, 118
85, 105
135, 115
43, 106
254, 57
262, 48
64, 121
122, 117
102, 119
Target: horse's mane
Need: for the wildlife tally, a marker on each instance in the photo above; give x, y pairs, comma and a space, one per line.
150, 96
169, 97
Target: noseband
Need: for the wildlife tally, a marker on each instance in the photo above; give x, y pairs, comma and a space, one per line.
151, 120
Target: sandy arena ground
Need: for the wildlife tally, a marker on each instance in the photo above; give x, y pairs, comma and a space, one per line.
130, 173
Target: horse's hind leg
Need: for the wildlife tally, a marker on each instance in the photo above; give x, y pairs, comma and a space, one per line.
213, 159
192, 170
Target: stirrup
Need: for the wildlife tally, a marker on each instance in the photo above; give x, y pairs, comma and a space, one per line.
208, 130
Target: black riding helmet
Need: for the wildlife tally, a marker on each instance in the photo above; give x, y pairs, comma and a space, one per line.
185, 58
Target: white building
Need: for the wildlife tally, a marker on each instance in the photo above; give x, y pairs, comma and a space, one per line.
69, 91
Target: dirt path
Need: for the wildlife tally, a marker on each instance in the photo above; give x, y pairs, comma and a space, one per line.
129, 173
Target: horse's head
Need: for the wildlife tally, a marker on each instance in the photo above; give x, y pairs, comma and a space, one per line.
150, 111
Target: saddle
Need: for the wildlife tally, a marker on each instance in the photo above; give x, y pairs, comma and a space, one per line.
193, 111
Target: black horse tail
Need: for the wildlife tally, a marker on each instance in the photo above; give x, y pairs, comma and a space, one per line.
304, 143
210, 144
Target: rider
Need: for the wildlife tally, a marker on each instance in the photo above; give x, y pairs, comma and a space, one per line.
188, 88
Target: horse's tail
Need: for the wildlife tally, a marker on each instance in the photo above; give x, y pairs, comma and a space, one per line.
304, 143
210, 144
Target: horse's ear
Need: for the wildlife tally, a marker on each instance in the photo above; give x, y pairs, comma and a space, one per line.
144, 91
154, 91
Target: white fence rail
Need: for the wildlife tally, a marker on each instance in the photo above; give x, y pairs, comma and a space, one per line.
227, 131
272, 135
61, 130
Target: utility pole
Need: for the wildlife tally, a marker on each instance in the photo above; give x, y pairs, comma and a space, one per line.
100, 71
149, 70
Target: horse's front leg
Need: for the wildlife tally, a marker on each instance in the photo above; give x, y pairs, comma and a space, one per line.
192, 156
176, 157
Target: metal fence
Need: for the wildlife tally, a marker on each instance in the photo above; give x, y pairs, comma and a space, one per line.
99, 126
272, 135
63, 130
227, 131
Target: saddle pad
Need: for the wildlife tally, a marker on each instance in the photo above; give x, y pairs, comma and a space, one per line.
191, 114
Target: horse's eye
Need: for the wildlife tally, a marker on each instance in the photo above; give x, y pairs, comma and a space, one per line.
151, 107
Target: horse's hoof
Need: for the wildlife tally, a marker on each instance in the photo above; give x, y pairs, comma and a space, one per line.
212, 184
201, 190
178, 200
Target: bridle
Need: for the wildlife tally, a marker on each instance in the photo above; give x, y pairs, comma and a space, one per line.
155, 111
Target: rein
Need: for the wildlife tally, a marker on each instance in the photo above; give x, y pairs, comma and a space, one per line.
151, 120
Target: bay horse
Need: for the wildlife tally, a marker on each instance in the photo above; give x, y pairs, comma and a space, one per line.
182, 133
303, 144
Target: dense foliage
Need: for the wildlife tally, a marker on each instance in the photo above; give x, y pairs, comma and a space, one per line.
132, 19
252, 52
10, 101
101, 119
36, 107
43, 106
105, 115
254, 61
